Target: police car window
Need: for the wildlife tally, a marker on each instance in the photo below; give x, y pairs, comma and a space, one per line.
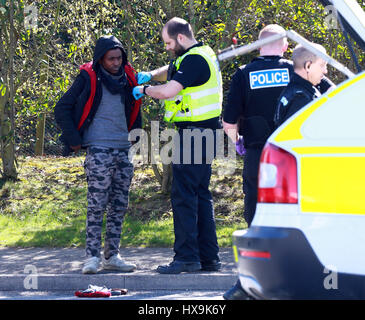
341, 117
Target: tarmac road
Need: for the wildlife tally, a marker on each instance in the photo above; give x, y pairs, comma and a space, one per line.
131, 295
55, 274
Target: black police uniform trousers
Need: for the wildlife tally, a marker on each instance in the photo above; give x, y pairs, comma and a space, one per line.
192, 204
250, 172
251, 163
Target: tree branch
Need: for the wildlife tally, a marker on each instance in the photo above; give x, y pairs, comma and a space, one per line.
38, 58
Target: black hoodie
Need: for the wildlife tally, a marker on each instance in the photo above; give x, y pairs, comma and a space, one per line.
103, 45
70, 107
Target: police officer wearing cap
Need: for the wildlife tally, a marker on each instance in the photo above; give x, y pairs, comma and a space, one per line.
193, 102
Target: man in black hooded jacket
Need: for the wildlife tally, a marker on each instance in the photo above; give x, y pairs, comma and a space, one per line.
97, 113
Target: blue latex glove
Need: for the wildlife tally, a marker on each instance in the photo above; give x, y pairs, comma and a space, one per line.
138, 92
143, 77
240, 147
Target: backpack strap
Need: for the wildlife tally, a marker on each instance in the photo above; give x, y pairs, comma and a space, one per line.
88, 67
131, 76
136, 105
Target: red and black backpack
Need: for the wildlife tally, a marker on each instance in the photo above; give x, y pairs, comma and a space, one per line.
131, 76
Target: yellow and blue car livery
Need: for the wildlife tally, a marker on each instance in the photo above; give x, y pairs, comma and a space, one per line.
307, 239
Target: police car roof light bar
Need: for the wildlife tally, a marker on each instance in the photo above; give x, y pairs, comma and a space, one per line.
234, 52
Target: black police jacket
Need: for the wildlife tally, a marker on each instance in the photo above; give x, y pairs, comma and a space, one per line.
253, 95
296, 95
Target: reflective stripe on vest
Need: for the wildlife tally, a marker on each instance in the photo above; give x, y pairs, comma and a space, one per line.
195, 112
201, 102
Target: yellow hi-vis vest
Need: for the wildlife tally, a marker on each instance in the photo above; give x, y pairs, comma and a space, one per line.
201, 102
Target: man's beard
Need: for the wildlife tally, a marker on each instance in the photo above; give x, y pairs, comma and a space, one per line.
178, 50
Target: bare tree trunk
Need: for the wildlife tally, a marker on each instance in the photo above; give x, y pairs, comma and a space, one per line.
163, 172
163, 176
8, 119
7, 148
40, 130
166, 178
3, 99
157, 173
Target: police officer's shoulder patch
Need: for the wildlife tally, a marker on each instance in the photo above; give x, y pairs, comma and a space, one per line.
269, 78
284, 101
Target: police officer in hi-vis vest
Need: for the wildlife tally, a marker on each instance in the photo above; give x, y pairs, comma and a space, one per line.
193, 102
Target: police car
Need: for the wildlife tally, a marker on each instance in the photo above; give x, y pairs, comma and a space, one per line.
307, 239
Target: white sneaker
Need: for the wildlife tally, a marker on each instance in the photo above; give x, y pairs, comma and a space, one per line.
116, 263
91, 265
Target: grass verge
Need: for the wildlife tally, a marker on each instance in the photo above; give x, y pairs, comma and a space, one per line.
47, 206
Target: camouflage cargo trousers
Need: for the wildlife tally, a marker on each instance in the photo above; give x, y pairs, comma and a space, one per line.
109, 173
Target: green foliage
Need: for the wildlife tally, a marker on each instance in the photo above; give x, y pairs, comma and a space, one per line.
47, 49
138, 25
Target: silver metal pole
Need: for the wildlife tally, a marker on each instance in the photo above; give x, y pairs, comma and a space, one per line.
234, 52
308, 45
